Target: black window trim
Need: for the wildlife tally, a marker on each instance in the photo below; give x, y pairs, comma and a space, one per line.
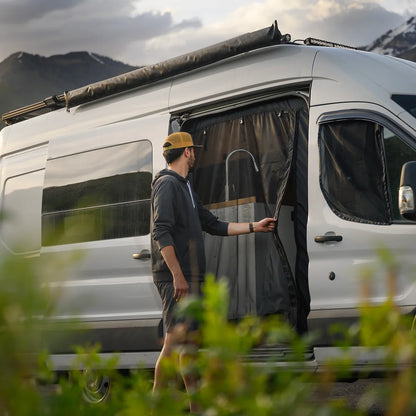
368, 115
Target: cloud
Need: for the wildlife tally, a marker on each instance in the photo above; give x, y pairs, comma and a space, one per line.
347, 21
118, 30
22, 11
359, 26
352, 22
102, 26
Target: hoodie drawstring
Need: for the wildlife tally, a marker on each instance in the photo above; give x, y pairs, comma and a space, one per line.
190, 193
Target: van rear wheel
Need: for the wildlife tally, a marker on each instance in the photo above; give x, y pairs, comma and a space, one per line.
96, 387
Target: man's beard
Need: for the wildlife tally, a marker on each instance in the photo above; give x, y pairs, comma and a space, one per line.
191, 163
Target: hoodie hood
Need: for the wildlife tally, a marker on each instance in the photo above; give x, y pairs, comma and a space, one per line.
169, 172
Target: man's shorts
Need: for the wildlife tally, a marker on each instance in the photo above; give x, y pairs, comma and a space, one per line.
170, 320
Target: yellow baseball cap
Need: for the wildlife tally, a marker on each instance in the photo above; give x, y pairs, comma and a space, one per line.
179, 140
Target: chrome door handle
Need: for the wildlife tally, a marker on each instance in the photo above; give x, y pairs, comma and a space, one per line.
143, 255
326, 238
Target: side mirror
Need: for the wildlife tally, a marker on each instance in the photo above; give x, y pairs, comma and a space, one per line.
407, 191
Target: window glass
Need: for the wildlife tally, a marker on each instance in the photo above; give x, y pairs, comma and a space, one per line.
408, 102
20, 221
98, 194
397, 154
352, 173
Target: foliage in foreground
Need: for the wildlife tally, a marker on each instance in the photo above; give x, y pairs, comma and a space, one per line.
227, 383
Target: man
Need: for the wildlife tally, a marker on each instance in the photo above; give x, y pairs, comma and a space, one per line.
178, 220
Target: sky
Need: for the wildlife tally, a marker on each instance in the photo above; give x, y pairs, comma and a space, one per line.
142, 32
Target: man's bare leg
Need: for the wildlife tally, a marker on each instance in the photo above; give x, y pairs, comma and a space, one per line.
166, 352
187, 357
187, 361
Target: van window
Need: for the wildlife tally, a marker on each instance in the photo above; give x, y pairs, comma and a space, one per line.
408, 102
97, 195
352, 176
397, 154
361, 164
20, 221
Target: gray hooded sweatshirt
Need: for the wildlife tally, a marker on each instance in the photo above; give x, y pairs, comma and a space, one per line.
178, 219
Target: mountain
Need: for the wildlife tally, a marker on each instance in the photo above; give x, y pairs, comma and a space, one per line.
26, 78
399, 42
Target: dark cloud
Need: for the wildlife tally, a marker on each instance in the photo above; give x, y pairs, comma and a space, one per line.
22, 11
107, 27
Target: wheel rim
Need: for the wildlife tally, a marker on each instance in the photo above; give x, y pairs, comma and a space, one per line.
96, 387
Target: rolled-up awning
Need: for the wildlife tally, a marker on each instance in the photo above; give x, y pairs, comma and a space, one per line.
152, 73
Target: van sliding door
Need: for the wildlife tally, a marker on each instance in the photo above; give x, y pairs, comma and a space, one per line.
244, 172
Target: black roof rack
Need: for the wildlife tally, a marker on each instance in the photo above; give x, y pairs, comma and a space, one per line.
152, 73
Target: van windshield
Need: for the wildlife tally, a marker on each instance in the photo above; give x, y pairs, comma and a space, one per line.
408, 102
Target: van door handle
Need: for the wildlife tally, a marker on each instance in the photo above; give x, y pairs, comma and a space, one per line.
143, 255
326, 238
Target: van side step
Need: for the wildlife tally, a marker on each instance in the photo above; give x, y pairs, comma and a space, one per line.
276, 354
319, 359
355, 360
127, 360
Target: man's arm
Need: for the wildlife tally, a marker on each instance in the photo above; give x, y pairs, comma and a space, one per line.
266, 225
179, 282
164, 223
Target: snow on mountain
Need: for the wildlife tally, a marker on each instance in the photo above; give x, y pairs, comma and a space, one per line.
400, 42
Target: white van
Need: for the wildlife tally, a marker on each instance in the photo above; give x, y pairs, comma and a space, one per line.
314, 135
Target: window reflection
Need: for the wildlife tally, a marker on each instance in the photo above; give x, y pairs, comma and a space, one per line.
99, 194
397, 154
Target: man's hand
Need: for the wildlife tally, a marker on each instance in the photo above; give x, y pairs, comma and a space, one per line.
266, 225
180, 284
181, 287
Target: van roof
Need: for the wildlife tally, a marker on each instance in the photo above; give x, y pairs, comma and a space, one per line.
349, 69
163, 70
360, 76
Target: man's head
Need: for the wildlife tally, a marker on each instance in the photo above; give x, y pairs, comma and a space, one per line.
178, 144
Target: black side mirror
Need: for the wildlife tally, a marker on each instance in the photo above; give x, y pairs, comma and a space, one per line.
407, 191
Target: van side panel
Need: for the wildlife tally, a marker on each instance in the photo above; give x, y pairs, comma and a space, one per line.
109, 291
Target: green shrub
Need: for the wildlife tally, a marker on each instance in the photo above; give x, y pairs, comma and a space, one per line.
228, 383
